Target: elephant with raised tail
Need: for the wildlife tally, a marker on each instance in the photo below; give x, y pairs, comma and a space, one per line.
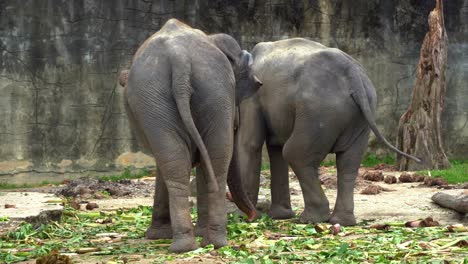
314, 100
180, 96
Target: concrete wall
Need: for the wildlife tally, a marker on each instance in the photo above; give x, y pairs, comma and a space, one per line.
60, 105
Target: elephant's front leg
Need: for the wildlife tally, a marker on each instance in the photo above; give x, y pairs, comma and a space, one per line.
347, 164
280, 197
161, 222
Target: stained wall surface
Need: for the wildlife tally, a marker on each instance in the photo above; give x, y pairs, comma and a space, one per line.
61, 107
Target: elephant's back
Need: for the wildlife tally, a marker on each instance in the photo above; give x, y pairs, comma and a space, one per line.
302, 78
177, 44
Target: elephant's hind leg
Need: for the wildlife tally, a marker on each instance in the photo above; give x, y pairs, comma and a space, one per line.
174, 163
304, 150
176, 176
347, 163
161, 221
215, 203
202, 203
280, 198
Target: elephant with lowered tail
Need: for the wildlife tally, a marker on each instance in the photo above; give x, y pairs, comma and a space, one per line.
181, 94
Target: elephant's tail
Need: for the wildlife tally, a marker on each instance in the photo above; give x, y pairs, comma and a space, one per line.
182, 91
358, 93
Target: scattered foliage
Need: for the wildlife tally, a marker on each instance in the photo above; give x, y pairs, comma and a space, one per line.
115, 234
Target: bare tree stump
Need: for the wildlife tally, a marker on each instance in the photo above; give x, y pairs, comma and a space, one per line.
419, 127
457, 203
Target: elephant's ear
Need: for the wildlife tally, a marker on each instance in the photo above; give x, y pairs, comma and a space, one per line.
228, 45
246, 81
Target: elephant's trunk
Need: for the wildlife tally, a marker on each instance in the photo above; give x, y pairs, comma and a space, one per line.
238, 194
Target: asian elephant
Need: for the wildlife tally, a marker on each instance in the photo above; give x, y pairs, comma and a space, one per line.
180, 96
314, 100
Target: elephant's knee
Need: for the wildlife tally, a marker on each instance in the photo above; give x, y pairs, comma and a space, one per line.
178, 188
290, 155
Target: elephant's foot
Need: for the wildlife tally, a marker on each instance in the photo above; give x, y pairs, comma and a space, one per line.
344, 219
183, 243
159, 232
314, 216
281, 212
217, 238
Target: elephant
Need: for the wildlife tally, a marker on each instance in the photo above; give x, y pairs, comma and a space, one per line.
314, 101
180, 96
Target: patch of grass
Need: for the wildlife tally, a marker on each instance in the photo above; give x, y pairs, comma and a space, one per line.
6, 185
372, 160
458, 173
126, 174
265, 166
328, 163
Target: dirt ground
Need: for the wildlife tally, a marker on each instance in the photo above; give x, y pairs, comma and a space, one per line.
394, 202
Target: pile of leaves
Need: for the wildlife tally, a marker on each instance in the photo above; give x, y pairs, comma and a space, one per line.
117, 235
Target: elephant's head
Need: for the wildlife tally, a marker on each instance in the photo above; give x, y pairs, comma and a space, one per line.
246, 85
241, 61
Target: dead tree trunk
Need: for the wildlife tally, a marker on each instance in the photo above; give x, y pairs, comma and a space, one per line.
419, 127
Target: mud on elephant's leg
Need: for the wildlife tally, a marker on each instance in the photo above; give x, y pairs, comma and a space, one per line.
161, 222
280, 197
347, 164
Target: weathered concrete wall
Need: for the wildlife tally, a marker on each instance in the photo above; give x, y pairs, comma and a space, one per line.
60, 105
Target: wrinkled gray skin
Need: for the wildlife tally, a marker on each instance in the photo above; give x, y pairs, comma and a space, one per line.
180, 97
314, 101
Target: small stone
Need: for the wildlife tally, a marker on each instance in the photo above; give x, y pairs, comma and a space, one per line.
91, 206
10, 206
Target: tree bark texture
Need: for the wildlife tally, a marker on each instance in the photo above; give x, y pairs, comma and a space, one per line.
419, 129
